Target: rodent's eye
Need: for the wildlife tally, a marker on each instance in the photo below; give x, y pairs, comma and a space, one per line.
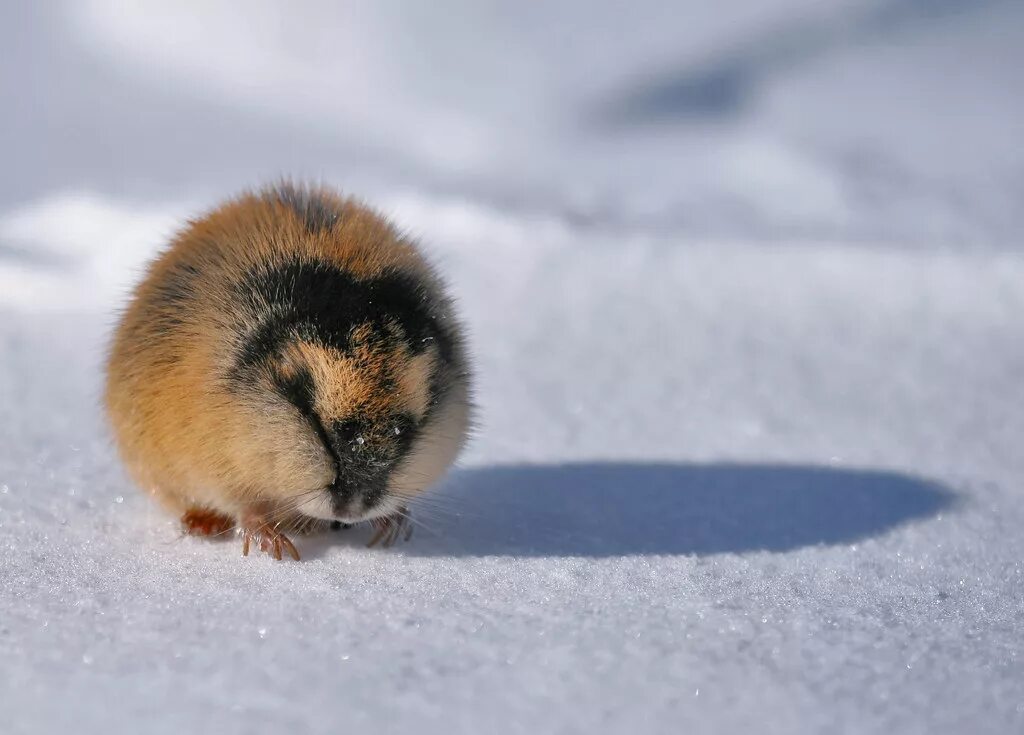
403, 423
347, 432
404, 429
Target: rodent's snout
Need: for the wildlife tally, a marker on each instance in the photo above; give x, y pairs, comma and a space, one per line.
364, 469
367, 452
354, 498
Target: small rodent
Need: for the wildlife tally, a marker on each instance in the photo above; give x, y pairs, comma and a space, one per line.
289, 362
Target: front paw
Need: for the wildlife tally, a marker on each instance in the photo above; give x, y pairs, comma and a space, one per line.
268, 538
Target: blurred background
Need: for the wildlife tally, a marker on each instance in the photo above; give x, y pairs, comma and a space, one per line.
743, 284
528, 125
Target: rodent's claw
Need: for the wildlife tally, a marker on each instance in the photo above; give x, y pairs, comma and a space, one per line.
269, 539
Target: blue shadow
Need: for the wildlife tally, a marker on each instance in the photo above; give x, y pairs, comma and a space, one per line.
619, 508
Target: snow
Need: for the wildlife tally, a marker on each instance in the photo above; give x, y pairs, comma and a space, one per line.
744, 293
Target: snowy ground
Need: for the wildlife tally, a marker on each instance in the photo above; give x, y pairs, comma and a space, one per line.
745, 294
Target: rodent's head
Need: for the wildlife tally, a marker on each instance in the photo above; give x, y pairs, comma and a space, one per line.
361, 431
354, 392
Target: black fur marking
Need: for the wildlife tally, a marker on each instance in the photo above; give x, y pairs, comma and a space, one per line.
320, 302
317, 211
345, 431
358, 471
363, 469
262, 344
299, 390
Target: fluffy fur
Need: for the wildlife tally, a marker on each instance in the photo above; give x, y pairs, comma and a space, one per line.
290, 357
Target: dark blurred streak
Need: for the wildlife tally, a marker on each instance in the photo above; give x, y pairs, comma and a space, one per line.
723, 86
36, 257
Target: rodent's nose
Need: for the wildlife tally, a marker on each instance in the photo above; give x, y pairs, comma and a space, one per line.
356, 490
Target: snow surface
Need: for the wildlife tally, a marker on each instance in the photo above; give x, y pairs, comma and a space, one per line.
744, 291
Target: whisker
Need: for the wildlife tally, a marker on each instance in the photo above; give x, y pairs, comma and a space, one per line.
415, 520
456, 511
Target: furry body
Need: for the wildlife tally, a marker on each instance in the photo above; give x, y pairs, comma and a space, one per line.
291, 357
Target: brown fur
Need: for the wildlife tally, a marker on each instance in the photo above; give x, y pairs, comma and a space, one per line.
185, 437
